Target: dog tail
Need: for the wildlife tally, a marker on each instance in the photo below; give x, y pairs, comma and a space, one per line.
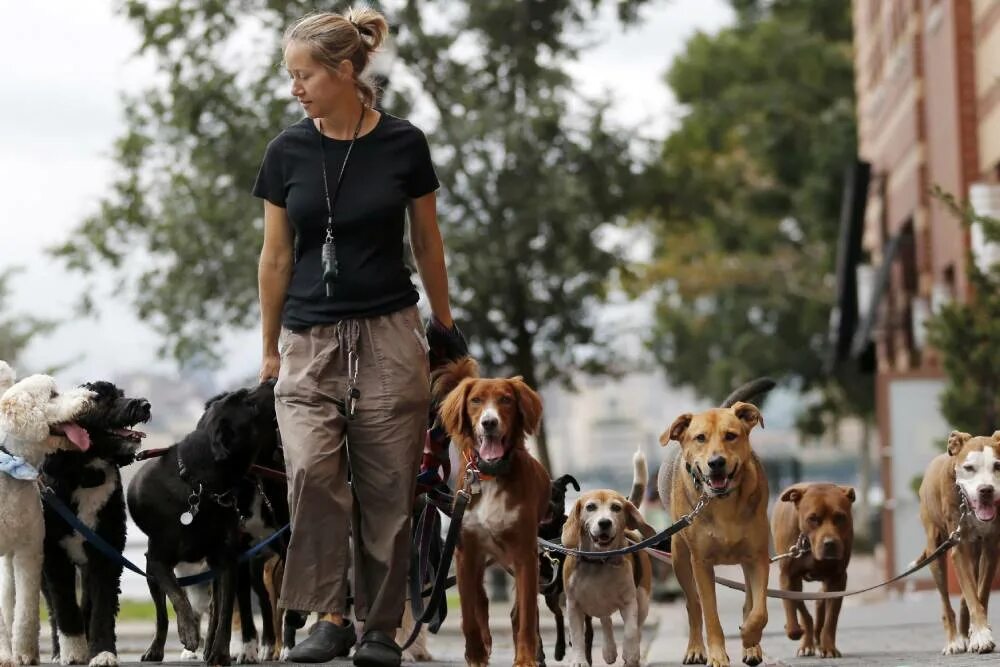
7, 376
640, 474
749, 391
446, 378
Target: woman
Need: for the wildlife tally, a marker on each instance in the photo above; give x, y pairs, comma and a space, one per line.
342, 334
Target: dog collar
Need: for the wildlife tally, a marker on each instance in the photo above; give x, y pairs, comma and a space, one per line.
493, 468
15, 466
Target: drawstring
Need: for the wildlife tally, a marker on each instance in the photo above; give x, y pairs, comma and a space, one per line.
348, 333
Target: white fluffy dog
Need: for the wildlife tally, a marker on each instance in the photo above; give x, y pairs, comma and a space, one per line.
35, 420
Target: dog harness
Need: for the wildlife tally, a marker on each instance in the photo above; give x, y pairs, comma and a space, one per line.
14, 466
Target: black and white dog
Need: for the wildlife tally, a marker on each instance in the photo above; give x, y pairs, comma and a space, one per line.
90, 484
187, 504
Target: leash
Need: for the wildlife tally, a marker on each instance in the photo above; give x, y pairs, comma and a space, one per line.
52, 500
799, 549
423, 615
679, 525
953, 539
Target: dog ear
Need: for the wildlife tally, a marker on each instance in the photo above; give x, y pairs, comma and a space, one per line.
454, 417
19, 413
635, 521
956, 441
996, 437
529, 404
793, 494
677, 429
221, 439
849, 492
748, 414
572, 527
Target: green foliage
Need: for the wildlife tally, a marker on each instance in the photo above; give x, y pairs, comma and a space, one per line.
967, 334
17, 330
744, 204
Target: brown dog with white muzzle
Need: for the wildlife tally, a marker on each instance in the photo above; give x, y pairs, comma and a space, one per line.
813, 528
961, 489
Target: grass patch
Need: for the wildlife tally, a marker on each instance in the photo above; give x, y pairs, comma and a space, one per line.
130, 610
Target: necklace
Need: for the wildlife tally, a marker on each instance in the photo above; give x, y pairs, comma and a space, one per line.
328, 255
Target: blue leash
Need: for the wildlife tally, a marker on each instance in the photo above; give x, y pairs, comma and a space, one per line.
98, 542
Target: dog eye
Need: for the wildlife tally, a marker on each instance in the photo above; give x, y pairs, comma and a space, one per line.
506, 400
475, 400
591, 507
813, 519
616, 508
730, 436
968, 467
700, 438
53, 394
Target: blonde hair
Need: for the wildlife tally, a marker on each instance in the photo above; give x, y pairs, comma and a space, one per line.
333, 38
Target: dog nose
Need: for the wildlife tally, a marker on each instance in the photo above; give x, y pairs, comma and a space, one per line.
489, 423
985, 491
717, 463
829, 547
604, 524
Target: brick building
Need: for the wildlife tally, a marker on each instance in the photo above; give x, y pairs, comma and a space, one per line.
927, 77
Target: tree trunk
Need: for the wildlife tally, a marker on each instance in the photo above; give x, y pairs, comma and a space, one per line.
542, 440
862, 526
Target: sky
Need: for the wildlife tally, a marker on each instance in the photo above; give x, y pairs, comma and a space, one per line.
66, 62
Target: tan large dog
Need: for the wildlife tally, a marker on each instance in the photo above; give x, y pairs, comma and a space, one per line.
969, 474
715, 460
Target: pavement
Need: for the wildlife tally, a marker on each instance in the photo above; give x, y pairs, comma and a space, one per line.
875, 629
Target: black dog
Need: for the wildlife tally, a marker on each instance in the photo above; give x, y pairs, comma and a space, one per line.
187, 503
90, 484
550, 563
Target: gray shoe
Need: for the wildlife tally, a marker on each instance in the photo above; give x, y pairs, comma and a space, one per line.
326, 642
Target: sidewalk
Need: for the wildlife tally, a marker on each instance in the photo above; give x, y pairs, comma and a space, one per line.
875, 630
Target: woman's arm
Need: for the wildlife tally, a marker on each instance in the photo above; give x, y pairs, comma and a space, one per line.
273, 273
428, 251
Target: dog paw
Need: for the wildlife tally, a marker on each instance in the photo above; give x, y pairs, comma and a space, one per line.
956, 646
695, 655
153, 654
806, 649
73, 649
26, 658
267, 653
283, 655
610, 654
981, 640
188, 633
717, 657
187, 655
104, 659
417, 654
248, 653
753, 655
213, 658
794, 632
828, 651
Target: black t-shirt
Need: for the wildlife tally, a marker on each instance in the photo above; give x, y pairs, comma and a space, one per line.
388, 166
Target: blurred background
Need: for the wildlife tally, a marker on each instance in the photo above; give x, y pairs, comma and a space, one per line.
645, 203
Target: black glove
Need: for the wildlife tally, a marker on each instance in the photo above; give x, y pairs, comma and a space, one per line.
445, 344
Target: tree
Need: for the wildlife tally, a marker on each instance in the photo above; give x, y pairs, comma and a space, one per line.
17, 330
745, 198
967, 335
527, 184
743, 207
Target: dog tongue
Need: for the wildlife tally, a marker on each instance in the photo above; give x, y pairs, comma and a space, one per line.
77, 435
718, 482
984, 511
491, 449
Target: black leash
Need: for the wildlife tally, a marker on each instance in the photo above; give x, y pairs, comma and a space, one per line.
462, 498
679, 525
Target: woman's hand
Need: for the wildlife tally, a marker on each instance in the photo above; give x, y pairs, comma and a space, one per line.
269, 367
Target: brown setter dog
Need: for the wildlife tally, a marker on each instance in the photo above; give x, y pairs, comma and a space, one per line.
488, 419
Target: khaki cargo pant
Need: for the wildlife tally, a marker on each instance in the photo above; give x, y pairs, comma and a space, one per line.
383, 443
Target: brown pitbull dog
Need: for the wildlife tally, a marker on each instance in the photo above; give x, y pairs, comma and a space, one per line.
961, 489
714, 460
814, 519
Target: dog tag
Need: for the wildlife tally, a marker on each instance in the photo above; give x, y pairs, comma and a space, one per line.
351, 403
187, 518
